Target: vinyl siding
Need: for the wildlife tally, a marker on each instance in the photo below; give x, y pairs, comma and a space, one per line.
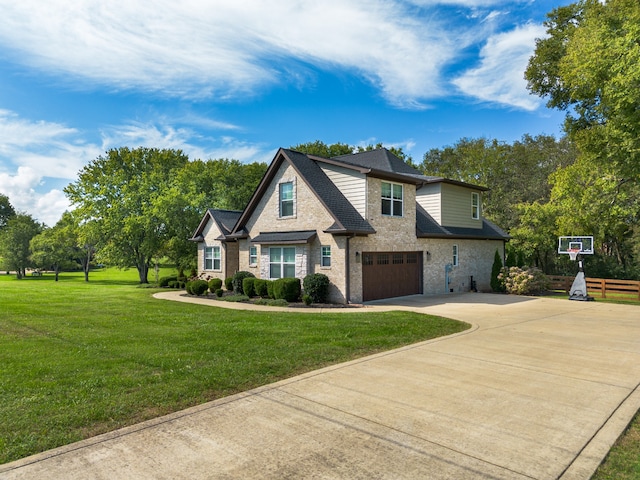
352, 184
458, 212
430, 198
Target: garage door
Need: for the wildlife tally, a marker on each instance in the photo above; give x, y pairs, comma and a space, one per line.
391, 274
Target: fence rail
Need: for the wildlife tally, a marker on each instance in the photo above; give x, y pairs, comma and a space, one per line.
600, 286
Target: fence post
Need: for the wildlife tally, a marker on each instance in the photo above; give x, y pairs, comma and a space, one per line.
603, 287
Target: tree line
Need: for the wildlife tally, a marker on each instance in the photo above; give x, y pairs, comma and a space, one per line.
135, 206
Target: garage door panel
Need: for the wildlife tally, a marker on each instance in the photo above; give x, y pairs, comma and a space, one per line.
391, 274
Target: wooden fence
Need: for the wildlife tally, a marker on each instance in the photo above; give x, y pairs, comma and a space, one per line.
600, 286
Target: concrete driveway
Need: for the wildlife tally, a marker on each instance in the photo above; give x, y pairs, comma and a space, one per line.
537, 389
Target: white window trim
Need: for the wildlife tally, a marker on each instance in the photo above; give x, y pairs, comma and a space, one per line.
391, 199
475, 205
253, 259
456, 256
293, 199
282, 263
213, 249
323, 256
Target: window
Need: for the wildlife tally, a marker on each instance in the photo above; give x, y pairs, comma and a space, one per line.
391, 199
253, 255
286, 199
212, 258
475, 205
282, 262
325, 261
455, 255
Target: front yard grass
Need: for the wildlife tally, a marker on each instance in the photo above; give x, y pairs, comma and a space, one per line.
79, 359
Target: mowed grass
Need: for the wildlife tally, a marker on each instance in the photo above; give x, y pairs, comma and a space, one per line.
79, 359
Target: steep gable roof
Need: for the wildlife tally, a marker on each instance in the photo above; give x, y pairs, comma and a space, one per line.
224, 219
347, 220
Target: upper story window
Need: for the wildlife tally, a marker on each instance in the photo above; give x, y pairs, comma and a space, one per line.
325, 259
392, 199
286, 199
253, 255
475, 206
212, 258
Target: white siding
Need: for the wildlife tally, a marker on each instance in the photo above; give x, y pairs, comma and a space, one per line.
429, 197
352, 185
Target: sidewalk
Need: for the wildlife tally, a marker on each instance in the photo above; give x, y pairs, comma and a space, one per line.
538, 389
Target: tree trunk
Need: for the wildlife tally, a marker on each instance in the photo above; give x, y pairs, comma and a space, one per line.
56, 270
143, 272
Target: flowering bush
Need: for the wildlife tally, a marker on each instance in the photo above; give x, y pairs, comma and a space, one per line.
527, 281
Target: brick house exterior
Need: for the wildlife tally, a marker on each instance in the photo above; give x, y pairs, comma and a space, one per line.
374, 225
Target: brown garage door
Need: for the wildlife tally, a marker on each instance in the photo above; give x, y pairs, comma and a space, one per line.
391, 274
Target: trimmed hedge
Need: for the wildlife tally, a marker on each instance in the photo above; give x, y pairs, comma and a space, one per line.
287, 288
248, 286
260, 286
215, 284
270, 289
316, 285
164, 281
199, 287
219, 292
228, 283
238, 277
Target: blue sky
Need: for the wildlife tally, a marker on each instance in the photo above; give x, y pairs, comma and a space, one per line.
239, 79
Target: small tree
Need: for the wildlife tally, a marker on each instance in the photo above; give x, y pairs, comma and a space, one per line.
14, 242
496, 283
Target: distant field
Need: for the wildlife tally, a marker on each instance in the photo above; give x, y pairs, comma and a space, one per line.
78, 359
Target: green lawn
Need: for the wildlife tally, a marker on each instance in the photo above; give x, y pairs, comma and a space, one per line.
80, 359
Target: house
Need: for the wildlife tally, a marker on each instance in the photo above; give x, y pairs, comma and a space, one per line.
377, 227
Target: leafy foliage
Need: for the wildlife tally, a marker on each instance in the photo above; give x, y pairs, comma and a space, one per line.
528, 281
496, 284
316, 286
287, 289
15, 238
237, 280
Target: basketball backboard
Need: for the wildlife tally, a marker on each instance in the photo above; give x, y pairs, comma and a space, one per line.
569, 244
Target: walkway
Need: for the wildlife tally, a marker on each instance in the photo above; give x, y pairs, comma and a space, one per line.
538, 389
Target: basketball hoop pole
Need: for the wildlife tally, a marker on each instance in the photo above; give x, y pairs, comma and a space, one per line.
579, 287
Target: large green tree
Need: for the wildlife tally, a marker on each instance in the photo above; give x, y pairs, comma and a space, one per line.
14, 242
56, 247
589, 66
6, 210
118, 194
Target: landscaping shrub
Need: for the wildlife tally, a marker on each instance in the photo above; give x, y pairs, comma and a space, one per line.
272, 303
238, 277
172, 283
219, 292
188, 286
270, 289
307, 299
260, 286
228, 283
316, 286
199, 287
529, 281
287, 288
215, 284
164, 281
248, 286
496, 284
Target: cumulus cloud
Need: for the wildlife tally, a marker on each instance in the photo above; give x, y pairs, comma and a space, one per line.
500, 76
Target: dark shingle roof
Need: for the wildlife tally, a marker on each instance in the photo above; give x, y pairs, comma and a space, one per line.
225, 220
427, 227
380, 159
284, 237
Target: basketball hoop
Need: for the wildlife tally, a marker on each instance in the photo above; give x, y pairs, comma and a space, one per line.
573, 253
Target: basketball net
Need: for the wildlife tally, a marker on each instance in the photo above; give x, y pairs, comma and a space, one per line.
573, 253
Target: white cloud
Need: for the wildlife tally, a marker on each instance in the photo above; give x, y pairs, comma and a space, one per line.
220, 48
500, 76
